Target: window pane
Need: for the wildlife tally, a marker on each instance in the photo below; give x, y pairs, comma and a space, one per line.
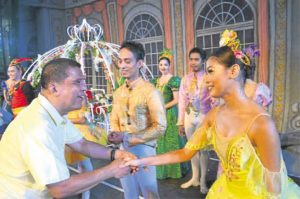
218, 9
207, 24
226, 7
152, 20
239, 18
155, 71
205, 10
231, 20
249, 36
157, 30
134, 30
144, 24
148, 59
199, 24
152, 33
234, 10
200, 42
240, 35
207, 41
153, 46
248, 14
240, 3
214, 2
216, 39
154, 59
159, 46
211, 15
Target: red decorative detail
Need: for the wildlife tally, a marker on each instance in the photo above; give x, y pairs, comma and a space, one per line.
87, 10
96, 108
89, 95
77, 12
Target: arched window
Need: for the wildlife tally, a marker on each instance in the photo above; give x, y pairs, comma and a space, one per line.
145, 29
218, 15
94, 79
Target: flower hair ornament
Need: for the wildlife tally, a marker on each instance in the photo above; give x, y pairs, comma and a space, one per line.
166, 53
229, 38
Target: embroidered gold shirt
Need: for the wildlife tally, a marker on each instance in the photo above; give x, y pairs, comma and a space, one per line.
138, 109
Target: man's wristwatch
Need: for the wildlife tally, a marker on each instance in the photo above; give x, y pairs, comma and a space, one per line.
112, 154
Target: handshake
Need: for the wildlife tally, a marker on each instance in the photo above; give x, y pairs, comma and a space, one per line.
125, 163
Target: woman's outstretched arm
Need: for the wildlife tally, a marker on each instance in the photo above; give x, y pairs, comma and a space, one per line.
199, 140
171, 157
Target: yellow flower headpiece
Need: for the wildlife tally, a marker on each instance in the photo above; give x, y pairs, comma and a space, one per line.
229, 38
167, 53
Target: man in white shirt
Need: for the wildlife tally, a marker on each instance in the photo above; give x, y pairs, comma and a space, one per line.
32, 147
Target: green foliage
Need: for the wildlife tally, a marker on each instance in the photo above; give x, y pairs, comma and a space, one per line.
94, 51
36, 78
71, 55
72, 52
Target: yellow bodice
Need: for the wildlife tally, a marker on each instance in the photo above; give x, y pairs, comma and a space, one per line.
244, 174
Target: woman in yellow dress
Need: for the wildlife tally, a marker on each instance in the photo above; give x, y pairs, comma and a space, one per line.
241, 132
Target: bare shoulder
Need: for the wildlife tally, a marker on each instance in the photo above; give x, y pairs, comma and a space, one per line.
263, 129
